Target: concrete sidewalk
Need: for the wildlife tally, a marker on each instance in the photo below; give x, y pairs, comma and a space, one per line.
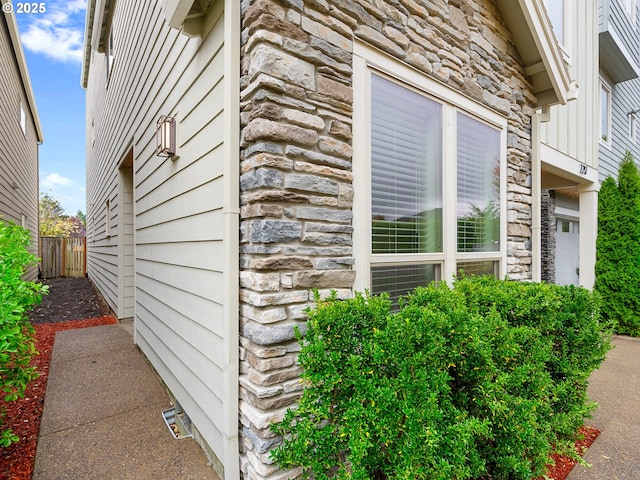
615, 455
102, 415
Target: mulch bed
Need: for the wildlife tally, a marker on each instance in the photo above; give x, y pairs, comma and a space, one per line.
74, 303
68, 299
562, 465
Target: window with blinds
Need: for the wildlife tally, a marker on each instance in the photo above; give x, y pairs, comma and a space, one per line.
406, 170
416, 177
478, 179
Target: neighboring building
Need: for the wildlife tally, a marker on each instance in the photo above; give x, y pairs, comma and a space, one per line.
619, 94
412, 131
20, 135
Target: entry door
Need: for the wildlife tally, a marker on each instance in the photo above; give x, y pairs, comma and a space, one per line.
567, 252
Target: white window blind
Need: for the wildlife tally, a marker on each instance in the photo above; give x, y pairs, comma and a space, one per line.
478, 175
406, 170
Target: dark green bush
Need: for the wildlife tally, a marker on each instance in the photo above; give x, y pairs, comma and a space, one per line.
481, 379
16, 333
618, 249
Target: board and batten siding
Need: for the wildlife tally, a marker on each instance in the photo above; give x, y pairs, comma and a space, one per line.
625, 96
166, 260
572, 128
18, 149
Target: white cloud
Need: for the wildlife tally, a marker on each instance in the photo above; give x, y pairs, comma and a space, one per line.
54, 180
59, 32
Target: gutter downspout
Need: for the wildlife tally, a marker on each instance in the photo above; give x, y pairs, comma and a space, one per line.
536, 192
231, 219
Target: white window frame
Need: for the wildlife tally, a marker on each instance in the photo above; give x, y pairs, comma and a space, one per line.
109, 58
633, 126
368, 60
629, 7
23, 118
107, 222
605, 137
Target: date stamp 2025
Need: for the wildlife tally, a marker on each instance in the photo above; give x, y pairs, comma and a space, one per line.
24, 7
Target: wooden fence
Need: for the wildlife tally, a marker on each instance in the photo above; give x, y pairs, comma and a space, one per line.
63, 257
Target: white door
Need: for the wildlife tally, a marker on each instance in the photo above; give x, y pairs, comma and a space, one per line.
567, 252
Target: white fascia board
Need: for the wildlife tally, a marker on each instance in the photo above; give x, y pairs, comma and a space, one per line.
86, 50
98, 21
24, 71
176, 11
535, 41
550, 52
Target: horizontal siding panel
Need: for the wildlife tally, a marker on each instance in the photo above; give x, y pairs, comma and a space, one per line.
199, 200
188, 365
207, 255
195, 280
196, 337
206, 226
192, 168
202, 310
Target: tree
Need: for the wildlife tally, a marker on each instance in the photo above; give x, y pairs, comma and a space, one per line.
618, 248
55, 223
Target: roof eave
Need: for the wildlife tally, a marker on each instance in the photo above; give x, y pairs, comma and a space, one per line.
86, 51
24, 73
543, 60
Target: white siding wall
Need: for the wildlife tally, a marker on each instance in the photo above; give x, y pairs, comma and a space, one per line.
572, 129
173, 217
625, 95
18, 152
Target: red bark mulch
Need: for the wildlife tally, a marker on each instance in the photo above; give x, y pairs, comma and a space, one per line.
23, 415
562, 465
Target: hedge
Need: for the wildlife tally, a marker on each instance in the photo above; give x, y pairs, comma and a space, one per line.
16, 333
479, 380
618, 249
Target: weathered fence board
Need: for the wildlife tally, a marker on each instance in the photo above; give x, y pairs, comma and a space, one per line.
63, 257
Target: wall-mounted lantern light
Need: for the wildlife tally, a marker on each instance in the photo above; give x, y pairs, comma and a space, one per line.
166, 136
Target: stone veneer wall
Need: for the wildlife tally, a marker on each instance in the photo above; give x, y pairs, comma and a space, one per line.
296, 175
548, 236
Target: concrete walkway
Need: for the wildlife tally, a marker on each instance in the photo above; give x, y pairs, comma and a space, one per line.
102, 415
615, 455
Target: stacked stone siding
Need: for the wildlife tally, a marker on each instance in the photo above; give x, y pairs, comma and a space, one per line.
548, 236
296, 164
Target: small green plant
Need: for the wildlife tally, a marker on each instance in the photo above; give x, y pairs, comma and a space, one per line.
479, 380
17, 296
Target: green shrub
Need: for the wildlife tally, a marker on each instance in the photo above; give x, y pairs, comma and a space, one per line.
16, 333
481, 379
618, 248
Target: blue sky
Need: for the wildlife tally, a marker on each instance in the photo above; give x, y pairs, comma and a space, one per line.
52, 42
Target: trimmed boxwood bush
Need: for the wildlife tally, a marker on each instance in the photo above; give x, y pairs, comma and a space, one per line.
479, 380
16, 333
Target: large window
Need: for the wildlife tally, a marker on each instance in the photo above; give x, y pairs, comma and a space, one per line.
435, 188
